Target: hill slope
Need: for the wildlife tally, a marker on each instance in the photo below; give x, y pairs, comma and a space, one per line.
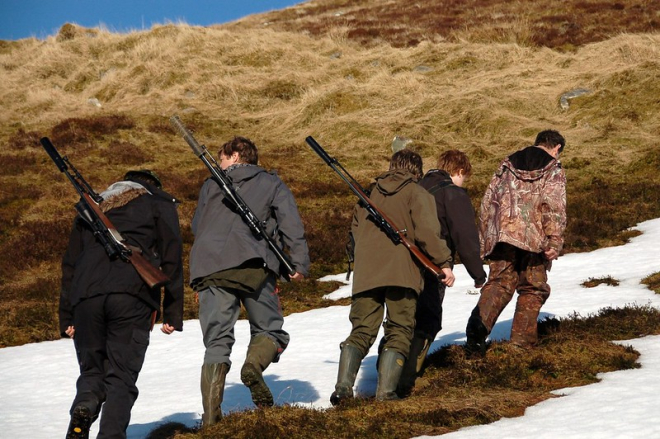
104, 99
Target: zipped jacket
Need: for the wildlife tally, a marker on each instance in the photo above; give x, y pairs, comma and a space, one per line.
222, 238
147, 218
525, 203
457, 221
378, 261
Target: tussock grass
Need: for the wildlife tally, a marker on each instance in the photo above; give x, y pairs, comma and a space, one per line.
458, 391
486, 96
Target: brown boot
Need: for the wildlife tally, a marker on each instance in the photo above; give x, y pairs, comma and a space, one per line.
524, 330
213, 389
261, 352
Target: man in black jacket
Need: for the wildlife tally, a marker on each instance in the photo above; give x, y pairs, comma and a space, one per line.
459, 230
107, 308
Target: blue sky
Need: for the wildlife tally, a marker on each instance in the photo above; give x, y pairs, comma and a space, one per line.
41, 18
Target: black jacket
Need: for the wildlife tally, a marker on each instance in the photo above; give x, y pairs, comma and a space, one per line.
457, 221
147, 221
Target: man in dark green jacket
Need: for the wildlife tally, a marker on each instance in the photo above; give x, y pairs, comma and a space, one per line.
387, 276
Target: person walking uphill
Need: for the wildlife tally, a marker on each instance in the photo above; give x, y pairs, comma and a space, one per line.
522, 222
387, 276
107, 308
459, 230
230, 266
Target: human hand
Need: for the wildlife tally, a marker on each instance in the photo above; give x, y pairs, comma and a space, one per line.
449, 277
551, 254
297, 277
167, 328
70, 331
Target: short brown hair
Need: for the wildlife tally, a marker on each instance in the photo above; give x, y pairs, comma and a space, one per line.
408, 160
247, 151
453, 161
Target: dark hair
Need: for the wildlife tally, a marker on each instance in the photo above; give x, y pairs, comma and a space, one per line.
550, 139
145, 175
408, 160
453, 161
247, 151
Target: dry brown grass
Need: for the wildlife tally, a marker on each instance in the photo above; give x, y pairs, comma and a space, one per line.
485, 96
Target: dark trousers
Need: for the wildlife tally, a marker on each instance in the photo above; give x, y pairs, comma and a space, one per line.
428, 315
111, 339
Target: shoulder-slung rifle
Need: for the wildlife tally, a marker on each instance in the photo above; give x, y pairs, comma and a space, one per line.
227, 187
387, 226
105, 232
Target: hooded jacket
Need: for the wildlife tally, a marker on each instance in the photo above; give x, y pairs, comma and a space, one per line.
147, 218
456, 216
378, 261
525, 203
222, 238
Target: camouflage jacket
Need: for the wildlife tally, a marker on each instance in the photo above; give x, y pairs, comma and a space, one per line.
525, 203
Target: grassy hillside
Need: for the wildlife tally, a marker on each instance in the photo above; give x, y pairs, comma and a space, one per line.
104, 99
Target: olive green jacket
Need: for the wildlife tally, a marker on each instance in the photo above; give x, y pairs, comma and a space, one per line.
378, 261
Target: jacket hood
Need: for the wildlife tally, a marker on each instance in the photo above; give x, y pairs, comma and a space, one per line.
530, 163
392, 182
243, 172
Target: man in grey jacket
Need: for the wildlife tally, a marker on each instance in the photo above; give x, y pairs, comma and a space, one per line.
230, 266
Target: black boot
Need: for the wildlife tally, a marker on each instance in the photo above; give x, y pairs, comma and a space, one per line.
81, 420
389, 372
413, 365
476, 333
213, 389
261, 352
349, 365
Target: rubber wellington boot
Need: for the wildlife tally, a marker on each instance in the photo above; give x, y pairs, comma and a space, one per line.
413, 365
389, 372
349, 365
261, 352
213, 389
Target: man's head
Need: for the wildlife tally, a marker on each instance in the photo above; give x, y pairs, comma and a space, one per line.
239, 150
549, 139
408, 160
455, 162
145, 175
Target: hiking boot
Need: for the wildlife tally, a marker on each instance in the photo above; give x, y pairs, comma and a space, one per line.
81, 420
261, 352
419, 346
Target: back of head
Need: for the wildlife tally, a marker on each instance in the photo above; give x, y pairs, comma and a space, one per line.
550, 139
453, 161
246, 149
408, 160
145, 175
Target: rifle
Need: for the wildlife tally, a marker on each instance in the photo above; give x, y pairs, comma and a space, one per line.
225, 183
387, 226
105, 232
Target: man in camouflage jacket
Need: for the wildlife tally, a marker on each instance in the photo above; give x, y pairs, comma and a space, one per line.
522, 222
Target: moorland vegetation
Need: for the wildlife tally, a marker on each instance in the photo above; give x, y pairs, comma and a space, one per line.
484, 79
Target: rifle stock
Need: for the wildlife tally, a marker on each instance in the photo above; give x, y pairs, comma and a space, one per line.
103, 229
386, 224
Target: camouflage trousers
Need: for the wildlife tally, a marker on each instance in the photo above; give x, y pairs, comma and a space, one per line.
512, 269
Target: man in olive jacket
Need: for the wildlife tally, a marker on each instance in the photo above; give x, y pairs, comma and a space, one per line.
522, 223
230, 266
387, 276
107, 308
